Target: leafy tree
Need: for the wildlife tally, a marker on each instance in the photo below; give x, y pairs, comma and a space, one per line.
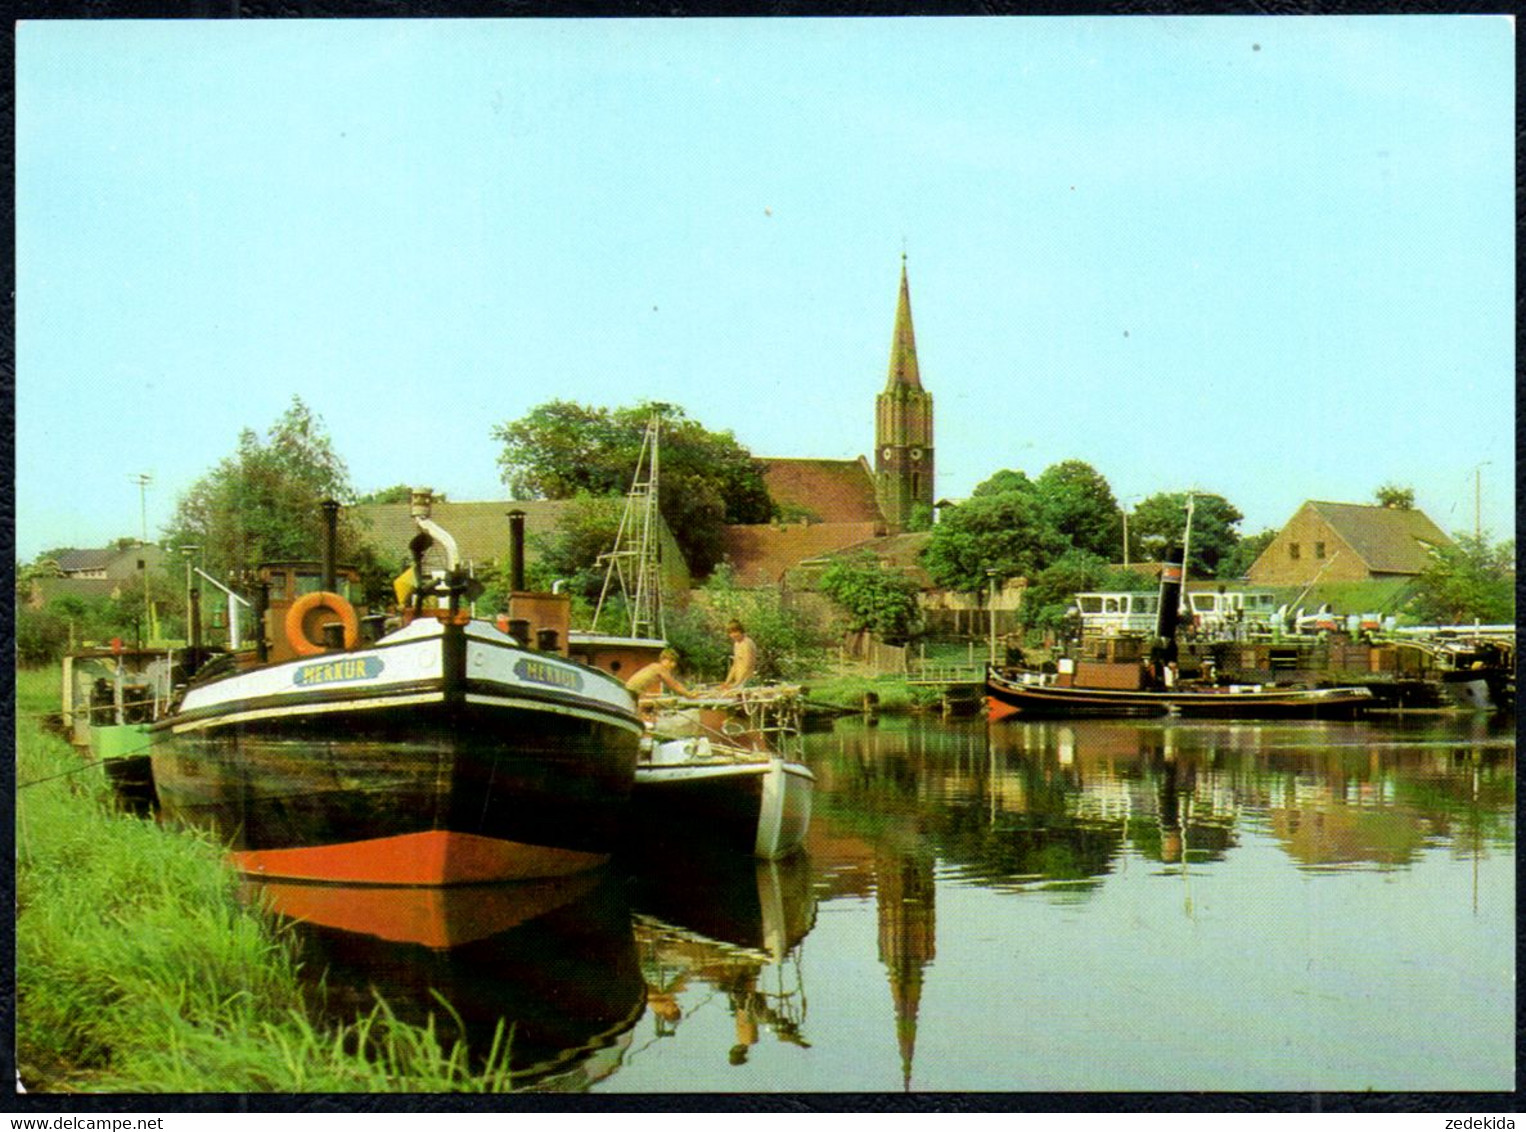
1160, 521
262, 503
1005, 532
42, 636
1471, 580
1237, 563
1003, 481
1077, 501
1392, 495
875, 596
708, 480
397, 493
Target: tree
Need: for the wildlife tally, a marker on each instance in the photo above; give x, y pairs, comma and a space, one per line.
876, 597
1076, 500
1003, 481
1005, 532
1237, 563
1470, 580
261, 503
1392, 495
397, 493
707, 479
1160, 521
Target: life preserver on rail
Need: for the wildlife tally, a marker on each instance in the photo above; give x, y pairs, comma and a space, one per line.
297, 622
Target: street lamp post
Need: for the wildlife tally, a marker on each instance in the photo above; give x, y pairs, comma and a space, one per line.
991, 602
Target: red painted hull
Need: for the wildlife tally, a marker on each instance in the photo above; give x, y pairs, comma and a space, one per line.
435, 857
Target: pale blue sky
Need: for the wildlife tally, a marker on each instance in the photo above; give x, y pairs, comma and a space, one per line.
1267, 257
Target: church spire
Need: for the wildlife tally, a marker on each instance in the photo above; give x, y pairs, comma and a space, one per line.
903, 429
903, 342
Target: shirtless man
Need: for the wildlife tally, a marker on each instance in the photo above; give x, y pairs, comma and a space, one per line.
744, 657
658, 675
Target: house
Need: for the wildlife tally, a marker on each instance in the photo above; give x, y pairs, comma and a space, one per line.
97, 572
1348, 542
481, 531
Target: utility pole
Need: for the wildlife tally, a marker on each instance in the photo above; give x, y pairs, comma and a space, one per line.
143, 479
1478, 500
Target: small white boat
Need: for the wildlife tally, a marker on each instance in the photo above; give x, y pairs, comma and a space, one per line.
738, 784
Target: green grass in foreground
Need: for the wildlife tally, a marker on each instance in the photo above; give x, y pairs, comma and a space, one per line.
138, 969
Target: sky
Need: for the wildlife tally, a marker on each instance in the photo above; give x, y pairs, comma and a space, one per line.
1271, 258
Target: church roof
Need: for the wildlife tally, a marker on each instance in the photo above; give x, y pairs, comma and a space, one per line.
903, 344
828, 491
760, 553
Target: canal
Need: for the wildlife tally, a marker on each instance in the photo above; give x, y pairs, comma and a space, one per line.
1086, 905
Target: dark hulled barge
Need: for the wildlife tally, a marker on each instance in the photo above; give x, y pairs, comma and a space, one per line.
444, 752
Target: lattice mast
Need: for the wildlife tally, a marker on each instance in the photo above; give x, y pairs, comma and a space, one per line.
633, 565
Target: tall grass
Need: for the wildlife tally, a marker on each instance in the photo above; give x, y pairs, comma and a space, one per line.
139, 970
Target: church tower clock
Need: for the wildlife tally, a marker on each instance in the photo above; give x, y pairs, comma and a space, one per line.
903, 428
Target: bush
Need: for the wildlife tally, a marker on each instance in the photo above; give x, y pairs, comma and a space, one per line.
790, 646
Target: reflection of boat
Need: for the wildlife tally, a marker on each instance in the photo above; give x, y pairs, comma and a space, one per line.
737, 783
1035, 694
726, 924
558, 969
431, 916
444, 752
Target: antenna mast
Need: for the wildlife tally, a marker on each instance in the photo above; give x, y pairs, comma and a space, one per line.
632, 565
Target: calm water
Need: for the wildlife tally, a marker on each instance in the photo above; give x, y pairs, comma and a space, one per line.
1025, 906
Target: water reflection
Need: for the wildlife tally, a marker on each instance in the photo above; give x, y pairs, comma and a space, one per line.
554, 960
971, 893
726, 927
1062, 805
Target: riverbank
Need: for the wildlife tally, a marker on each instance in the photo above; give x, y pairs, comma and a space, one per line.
139, 970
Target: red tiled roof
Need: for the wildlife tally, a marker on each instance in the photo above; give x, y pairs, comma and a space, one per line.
830, 491
761, 553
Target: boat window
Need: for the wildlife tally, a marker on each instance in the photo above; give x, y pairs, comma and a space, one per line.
1203, 603
1148, 603
1091, 604
1110, 605
308, 583
278, 585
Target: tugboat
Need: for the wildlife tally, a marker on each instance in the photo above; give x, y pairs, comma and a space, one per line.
444, 751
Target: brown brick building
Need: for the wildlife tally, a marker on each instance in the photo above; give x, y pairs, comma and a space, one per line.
1347, 542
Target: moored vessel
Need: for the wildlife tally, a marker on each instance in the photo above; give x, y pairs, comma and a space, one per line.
443, 752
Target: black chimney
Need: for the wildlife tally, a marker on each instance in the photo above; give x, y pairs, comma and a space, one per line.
330, 544
1170, 599
516, 551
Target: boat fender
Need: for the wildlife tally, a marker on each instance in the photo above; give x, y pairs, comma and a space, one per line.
296, 618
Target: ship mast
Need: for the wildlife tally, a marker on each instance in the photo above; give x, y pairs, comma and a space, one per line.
632, 565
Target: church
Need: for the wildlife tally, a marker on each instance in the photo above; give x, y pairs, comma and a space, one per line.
829, 506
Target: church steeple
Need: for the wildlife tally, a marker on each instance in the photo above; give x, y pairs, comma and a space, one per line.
903, 343
903, 427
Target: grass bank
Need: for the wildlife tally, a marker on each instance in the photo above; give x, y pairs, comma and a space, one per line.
139, 970
847, 691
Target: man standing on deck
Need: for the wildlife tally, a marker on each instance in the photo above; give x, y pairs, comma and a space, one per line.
744, 657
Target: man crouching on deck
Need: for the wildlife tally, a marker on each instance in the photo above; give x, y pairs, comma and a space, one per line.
652, 679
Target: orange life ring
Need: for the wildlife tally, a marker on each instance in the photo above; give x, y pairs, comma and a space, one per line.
296, 622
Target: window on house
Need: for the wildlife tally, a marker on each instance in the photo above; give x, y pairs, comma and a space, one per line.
1319, 550
1294, 551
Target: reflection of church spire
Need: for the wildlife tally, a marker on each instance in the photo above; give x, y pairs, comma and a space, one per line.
906, 938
